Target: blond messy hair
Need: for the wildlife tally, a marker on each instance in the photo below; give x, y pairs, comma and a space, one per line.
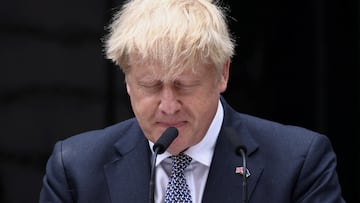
170, 33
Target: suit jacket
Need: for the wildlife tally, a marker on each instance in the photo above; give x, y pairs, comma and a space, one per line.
286, 163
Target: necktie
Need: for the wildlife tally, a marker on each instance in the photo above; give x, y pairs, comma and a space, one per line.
177, 190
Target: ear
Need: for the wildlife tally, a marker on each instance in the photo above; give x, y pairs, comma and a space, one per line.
127, 86
225, 76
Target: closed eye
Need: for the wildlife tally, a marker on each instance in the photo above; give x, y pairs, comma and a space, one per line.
150, 84
186, 85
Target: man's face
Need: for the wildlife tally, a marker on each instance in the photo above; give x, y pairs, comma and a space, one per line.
188, 102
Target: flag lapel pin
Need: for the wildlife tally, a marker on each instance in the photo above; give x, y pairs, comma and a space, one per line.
240, 170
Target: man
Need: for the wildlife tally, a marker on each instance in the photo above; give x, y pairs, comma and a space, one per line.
175, 55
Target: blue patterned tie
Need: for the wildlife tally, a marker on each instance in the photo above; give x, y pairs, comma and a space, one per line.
177, 190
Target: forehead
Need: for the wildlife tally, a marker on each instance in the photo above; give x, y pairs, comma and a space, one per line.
155, 70
164, 72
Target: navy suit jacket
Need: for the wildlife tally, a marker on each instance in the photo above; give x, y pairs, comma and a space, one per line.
287, 164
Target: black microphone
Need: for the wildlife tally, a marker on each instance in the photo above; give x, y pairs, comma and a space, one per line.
160, 147
240, 150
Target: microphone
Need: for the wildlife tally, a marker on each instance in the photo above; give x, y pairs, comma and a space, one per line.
240, 150
165, 140
160, 147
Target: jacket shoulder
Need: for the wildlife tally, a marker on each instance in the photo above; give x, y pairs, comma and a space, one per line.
94, 145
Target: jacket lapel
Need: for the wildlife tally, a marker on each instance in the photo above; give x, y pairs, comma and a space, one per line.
128, 174
224, 184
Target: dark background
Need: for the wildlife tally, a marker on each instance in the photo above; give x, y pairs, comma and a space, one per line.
297, 62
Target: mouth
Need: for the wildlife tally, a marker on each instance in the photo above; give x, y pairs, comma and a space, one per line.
176, 124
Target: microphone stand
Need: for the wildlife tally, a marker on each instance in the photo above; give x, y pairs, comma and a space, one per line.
152, 175
159, 147
240, 150
244, 186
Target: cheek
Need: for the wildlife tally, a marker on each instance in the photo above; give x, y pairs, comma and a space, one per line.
143, 106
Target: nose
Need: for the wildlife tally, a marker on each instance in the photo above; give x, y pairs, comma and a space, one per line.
169, 102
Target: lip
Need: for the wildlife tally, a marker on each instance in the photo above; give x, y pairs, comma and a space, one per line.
166, 124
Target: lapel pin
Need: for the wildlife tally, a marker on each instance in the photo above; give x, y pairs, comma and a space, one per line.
240, 170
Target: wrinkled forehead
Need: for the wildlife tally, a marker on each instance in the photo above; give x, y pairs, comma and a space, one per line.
166, 68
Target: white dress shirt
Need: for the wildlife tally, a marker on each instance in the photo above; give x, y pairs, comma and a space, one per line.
196, 173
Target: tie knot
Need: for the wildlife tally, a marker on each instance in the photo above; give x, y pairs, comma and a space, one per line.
180, 162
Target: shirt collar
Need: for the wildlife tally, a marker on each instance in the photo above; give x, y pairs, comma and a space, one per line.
204, 150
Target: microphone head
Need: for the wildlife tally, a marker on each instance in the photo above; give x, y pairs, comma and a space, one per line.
240, 148
235, 140
165, 139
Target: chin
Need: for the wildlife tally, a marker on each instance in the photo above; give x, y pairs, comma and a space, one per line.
176, 147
